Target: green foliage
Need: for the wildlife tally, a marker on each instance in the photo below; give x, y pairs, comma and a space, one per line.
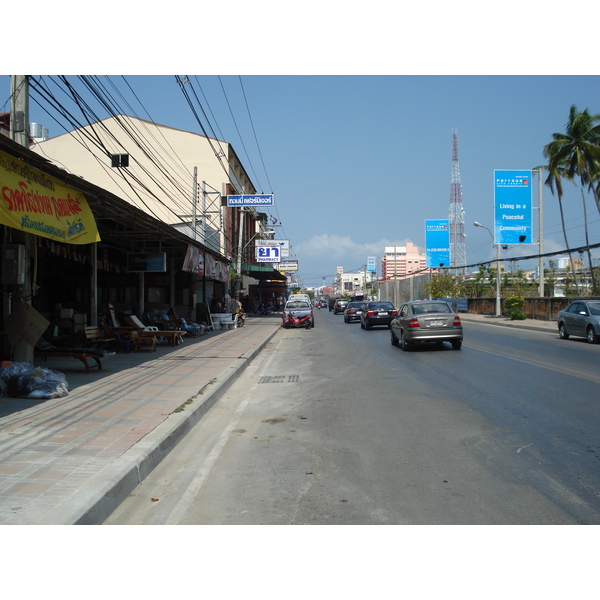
446, 285
514, 307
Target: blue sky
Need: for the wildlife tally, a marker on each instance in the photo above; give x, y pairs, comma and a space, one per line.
358, 163
352, 132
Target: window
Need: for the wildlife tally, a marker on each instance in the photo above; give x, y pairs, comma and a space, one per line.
119, 160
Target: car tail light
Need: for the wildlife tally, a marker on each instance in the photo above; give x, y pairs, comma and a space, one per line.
413, 323
351, 312
456, 322
394, 312
370, 313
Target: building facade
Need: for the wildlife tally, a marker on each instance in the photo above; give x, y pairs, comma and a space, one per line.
401, 261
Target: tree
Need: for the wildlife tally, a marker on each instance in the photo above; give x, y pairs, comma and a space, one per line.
576, 153
446, 285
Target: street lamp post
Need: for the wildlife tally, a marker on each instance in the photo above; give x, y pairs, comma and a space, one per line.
498, 308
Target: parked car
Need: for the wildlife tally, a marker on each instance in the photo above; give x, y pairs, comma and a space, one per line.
426, 321
377, 312
339, 306
353, 311
580, 318
298, 313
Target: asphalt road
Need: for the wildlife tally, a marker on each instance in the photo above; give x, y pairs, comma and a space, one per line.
334, 425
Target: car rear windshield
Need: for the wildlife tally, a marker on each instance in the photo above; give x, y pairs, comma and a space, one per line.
297, 304
381, 305
431, 307
356, 304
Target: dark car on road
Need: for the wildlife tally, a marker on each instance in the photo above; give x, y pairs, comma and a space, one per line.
377, 312
339, 306
426, 321
580, 318
353, 311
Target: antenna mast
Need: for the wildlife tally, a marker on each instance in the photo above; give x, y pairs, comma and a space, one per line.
458, 253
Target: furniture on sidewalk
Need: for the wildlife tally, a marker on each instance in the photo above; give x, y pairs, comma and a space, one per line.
224, 320
45, 350
174, 336
131, 336
93, 335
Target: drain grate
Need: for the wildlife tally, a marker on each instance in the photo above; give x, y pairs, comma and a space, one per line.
279, 379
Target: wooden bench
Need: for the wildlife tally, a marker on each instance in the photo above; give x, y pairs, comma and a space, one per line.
95, 336
81, 355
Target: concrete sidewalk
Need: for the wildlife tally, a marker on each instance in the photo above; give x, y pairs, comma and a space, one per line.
502, 321
73, 460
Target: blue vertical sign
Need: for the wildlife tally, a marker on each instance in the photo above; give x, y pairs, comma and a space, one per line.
512, 207
437, 243
371, 264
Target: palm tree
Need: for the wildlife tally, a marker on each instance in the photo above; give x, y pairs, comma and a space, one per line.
576, 153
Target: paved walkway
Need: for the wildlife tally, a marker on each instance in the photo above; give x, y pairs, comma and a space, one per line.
74, 459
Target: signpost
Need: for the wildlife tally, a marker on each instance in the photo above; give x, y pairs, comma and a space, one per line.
512, 207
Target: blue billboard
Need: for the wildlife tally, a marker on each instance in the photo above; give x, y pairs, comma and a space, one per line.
512, 207
437, 243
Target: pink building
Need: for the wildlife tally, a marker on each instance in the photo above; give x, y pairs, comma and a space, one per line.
401, 261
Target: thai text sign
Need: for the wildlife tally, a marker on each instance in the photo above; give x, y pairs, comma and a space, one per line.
251, 200
437, 243
372, 264
283, 245
36, 203
270, 254
512, 202
288, 265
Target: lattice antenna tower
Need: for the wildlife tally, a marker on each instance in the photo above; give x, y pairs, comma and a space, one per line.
458, 253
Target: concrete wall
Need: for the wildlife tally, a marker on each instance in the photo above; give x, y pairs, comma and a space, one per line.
404, 290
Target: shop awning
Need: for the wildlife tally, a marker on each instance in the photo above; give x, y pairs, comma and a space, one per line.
263, 272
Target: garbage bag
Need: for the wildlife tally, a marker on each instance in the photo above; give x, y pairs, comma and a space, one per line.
23, 380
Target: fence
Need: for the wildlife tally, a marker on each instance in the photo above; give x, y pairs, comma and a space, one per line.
412, 288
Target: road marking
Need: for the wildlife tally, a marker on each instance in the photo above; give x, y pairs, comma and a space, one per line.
531, 361
187, 498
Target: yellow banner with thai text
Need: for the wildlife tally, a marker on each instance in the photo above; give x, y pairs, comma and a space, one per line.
36, 203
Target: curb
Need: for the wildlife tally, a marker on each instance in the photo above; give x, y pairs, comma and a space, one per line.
549, 328
97, 499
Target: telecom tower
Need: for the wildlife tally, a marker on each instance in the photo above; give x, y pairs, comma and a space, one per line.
458, 253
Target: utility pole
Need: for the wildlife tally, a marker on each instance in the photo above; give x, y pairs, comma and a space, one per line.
19, 132
19, 109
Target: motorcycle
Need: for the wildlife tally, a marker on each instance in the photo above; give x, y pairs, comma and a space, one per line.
241, 318
292, 321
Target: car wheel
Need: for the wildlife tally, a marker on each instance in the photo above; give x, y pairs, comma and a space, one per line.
403, 343
592, 337
394, 339
456, 344
367, 325
562, 332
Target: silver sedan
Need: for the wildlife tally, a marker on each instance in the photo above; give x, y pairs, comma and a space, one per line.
426, 321
580, 318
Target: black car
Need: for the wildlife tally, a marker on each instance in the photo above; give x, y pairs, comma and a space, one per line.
353, 311
339, 306
377, 312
